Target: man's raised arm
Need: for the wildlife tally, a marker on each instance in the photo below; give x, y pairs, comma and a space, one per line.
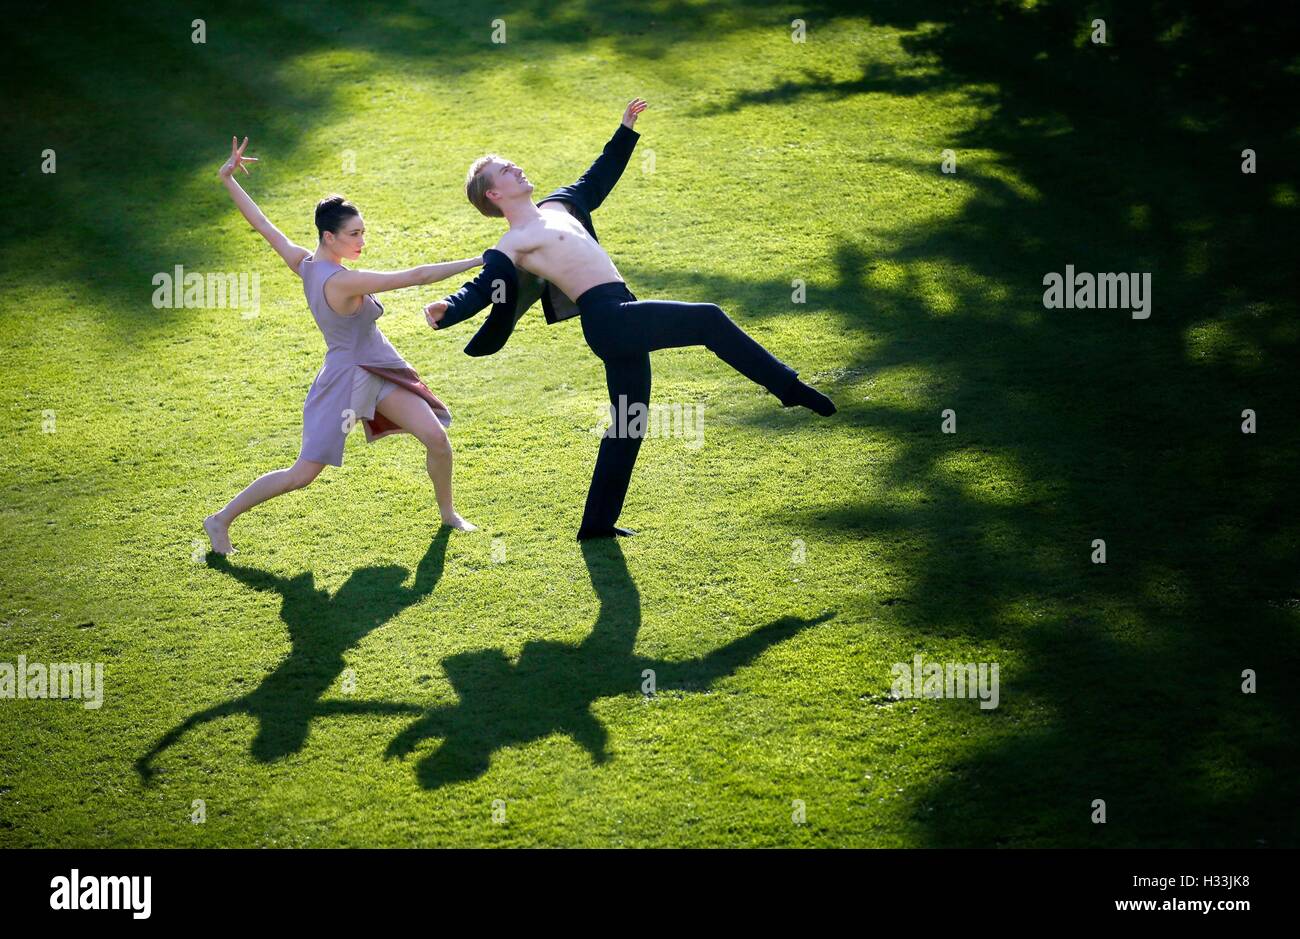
594, 185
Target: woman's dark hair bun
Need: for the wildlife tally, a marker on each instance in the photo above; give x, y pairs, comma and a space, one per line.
332, 212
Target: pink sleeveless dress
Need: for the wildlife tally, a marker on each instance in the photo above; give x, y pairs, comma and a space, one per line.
361, 368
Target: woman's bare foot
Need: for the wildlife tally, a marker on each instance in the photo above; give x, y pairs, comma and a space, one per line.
219, 534
455, 521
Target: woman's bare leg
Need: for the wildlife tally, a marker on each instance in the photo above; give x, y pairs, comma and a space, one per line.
411, 412
267, 486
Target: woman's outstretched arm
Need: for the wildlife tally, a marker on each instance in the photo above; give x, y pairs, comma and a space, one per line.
292, 253
350, 284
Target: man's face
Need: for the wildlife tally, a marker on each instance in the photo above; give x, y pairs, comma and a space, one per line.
508, 180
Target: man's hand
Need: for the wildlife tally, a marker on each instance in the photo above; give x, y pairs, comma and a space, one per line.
434, 312
633, 109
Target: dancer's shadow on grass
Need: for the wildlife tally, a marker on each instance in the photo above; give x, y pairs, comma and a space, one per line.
553, 685
321, 629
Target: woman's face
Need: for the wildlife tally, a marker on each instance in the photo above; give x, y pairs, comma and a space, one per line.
348, 241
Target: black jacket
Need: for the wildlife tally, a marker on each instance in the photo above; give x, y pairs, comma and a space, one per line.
518, 290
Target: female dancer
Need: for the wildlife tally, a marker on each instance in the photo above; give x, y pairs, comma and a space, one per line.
364, 379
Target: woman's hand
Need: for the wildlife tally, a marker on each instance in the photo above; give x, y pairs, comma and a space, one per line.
237, 159
434, 312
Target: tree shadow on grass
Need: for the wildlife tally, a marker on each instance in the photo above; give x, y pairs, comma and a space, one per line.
551, 688
321, 629
1067, 432
1081, 424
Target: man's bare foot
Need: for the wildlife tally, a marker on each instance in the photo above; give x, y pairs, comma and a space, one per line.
455, 521
219, 535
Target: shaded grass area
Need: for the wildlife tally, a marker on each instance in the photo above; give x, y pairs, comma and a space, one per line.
477, 681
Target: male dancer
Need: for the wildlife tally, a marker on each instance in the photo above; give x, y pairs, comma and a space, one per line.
555, 241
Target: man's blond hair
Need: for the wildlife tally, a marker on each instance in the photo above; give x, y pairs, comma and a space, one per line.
477, 183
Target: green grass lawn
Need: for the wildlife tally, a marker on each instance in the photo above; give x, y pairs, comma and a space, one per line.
354, 677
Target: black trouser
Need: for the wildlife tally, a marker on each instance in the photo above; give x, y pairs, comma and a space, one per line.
623, 331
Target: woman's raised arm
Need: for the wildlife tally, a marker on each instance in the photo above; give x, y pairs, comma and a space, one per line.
293, 254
